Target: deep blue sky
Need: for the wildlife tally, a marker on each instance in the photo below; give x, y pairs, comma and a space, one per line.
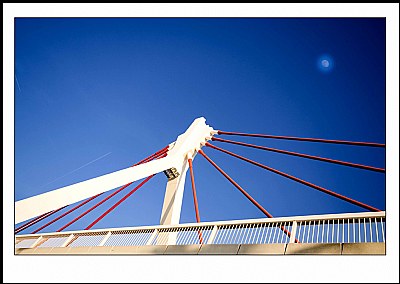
125, 88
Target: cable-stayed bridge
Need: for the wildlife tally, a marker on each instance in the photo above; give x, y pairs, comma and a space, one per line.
345, 233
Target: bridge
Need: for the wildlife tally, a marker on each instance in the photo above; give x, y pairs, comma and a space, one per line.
344, 233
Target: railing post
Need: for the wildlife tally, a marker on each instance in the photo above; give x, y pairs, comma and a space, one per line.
103, 241
67, 241
36, 242
212, 236
152, 237
293, 232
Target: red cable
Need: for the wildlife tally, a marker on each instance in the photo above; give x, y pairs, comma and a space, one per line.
162, 151
66, 213
302, 155
93, 207
297, 179
45, 215
108, 197
196, 205
39, 219
304, 139
123, 198
26, 224
119, 202
236, 185
242, 190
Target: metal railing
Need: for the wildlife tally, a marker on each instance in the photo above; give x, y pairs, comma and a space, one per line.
332, 228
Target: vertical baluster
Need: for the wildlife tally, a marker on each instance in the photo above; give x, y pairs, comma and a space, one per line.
222, 236
212, 235
376, 230
267, 234
190, 236
323, 229
256, 233
251, 232
246, 233
225, 235
133, 238
365, 232
308, 231
143, 240
299, 225
254, 240
217, 239
237, 232
181, 234
273, 238
231, 233
278, 232
343, 232
312, 236
149, 234
348, 230
284, 225
262, 231
383, 232
138, 237
370, 229
242, 234
237, 235
187, 234
327, 231
319, 221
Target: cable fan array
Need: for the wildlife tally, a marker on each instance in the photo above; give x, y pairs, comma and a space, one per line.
163, 153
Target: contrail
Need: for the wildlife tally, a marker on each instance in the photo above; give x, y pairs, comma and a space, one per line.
17, 82
77, 169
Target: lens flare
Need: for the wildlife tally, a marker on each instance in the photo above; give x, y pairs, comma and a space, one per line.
325, 63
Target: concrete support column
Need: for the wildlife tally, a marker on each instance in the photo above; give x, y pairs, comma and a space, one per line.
171, 211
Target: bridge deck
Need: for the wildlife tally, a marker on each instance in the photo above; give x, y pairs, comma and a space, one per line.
349, 233
242, 249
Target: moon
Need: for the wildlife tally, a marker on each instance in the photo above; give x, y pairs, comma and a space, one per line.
325, 63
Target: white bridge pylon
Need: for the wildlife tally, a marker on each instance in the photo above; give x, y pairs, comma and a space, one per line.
175, 163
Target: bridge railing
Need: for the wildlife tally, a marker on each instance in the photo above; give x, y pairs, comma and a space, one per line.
331, 228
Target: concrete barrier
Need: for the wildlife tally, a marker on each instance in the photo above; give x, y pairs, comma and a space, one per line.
25, 250
262, 249
157, 249
182, 249
219, 249
364, 248
314, 249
